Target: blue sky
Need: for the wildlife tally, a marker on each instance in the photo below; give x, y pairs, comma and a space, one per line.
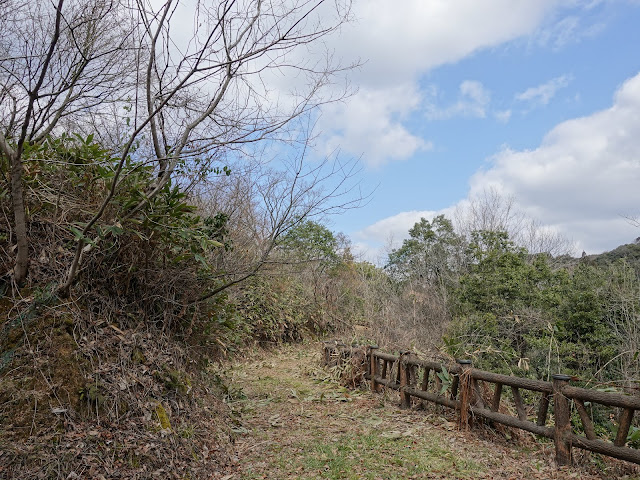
536, 99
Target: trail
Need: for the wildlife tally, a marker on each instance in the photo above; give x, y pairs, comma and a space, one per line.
296, 421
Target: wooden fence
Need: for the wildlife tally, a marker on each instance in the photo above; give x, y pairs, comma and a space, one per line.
413, 377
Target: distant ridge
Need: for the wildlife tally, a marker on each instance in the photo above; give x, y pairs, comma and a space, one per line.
629, 252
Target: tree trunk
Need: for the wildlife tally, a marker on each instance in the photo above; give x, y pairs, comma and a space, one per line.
20, 217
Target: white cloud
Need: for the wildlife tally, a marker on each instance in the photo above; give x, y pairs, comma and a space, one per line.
473, 101
583, 176
503, 116
581, 181
559, 34
400, 44
371, 123
542, 94
395, 227
566, 31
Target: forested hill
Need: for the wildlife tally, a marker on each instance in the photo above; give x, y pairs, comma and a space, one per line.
629, 252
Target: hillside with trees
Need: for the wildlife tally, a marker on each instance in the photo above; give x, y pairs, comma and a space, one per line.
522, 310
163, 210
152, 184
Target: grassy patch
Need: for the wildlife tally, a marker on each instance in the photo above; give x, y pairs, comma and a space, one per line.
305, 425
296, 422
368, 456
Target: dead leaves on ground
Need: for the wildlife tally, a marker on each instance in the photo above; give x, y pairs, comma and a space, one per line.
300, 423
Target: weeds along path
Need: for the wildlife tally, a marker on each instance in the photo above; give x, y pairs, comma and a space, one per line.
296, 421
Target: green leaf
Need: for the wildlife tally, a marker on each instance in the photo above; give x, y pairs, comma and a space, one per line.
202, 260
445, 378
114, 230
77, 233
79, 236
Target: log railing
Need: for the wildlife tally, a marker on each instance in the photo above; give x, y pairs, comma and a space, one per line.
416, 378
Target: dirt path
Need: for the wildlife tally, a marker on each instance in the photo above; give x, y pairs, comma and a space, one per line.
296, 421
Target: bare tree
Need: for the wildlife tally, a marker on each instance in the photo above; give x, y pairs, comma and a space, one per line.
496, 212
189, 101
489, 211
265, 203
209, 95
58, 61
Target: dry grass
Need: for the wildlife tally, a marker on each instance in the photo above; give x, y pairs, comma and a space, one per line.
104, 402
295, 420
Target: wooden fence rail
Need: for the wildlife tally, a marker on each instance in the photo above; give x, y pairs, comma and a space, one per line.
413, 377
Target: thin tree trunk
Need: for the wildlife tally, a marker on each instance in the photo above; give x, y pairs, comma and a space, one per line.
20, 217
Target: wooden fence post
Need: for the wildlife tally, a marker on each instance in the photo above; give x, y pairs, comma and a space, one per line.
329, 349
367, 360
463, 384
405, 379
325, 351
340, 351
562, 419
373, 367
543, 409
624, 423
455, 382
